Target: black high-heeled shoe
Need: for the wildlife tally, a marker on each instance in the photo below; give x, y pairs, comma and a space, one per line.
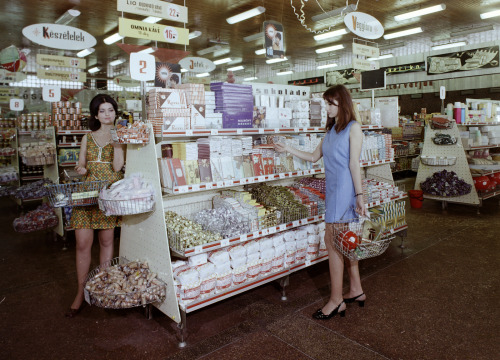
361, 303
320, 316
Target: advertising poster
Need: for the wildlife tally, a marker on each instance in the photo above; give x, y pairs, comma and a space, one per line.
341, 77
274, 40
167, 75
463, 60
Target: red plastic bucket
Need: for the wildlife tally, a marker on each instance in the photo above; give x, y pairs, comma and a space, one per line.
416, 198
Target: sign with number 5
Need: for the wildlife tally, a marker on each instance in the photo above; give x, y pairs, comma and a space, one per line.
142, 66
51, 93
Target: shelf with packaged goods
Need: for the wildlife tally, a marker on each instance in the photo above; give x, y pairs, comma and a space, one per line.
478, 147
67, 164
405, 156
32, 178
69, 145
479, 123
365, 163
244, 181
486, 173
246, 237
387, 200
488, 195
72, 132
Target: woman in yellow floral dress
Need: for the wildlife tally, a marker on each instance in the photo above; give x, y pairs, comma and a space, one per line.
100, 159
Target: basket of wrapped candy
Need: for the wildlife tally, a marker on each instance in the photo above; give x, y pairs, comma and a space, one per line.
75, 193
43, 217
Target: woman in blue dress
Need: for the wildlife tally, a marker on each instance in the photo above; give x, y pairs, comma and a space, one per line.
340, 149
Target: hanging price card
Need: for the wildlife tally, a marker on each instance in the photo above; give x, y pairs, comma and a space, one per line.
220, 184
265, 232
239, 131
282, 175
261, 131
209, 186
262, 178
228, 183
256, 234
296, 223
198, 249
142, 66
196, 187
272, 230
282, 227
183, 189
189, 132
243, 237
296, 130
224, 243
214, 132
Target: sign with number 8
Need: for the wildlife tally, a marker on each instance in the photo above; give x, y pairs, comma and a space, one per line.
142, 66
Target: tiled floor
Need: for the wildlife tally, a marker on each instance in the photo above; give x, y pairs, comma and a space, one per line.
437, 299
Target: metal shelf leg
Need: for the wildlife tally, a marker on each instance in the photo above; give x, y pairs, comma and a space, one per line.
284, 282
183, 327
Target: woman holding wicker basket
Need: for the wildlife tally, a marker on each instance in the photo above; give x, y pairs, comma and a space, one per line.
340, 149
100, 159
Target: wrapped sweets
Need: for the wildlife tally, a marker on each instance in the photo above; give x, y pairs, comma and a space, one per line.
222, 220
279, 257
124, 286
189, 279
136, 133
198, 260
208, 278
266, 257
186, 233
240, 275
33, 190
132, 195
301, 249
43, 217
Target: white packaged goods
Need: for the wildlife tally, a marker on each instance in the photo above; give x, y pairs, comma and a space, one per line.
289, 258
312, 251
266, 266
206, 270
278, 262
253, 269
267, 253
251, 247
300, 235
289, 236
238, 262
278, 240
188, 276
321, 226
207, 286
291, 245
300, 254
190, 292
279, 249
265, 243
313, 239
240, 275
237, 251
322, 248
219, 257
178, 263
199, 259
311, 228
253, 257
321, 235
224, 280
223, 267
302, 243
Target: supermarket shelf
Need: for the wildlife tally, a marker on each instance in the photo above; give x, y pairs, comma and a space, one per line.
67, 164
385, 201
307, 263
484, 196
395, 230
29, 178
482, 147
251, 180
479, 123
72, 132
375, 162
246, 237
405, 156
252, 131
486, 172
69, 145
402, 170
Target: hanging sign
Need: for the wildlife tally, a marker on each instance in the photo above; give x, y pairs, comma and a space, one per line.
362, 64
197, 64
308, 81
274, 39
61, 75
364, 25
463, 60
196, 80
154, 32
7, 76
51, 93
62, 61
126, 81
365, 50
17, 104
142, 66
400, 69
59, 36
156, 8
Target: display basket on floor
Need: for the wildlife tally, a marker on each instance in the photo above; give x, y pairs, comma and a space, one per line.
76, 193
121, 284
359, 238
127, 207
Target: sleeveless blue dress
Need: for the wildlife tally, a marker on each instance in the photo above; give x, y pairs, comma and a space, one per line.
339, 185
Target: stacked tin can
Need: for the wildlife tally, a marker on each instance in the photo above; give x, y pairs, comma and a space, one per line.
67, 115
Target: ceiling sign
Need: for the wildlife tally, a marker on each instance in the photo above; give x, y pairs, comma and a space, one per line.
126, 81
154, 32
308, 81
59, 36
365, 50
51, 93
364, 25
197, 64
7, 76
17, 104
62, 61
196, 80
142, 66
61, 75
362, 64
156, 8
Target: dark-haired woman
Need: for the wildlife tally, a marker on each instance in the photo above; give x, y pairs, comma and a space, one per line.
100, 159
340, 149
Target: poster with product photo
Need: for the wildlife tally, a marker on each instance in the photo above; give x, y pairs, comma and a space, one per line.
167, 75
274, 40
463, 60
341, 77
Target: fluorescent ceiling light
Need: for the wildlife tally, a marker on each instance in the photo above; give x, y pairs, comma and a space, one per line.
330, 34
184, 70
334, 12
250, 78
93, 70
222, 61
490, 14
425, 11
209, 50
151, 20
194, 34
85, 52
386, 56
403, 33
236, 68
203, 75
67, 17
272, 61
450, 45
260, 52
325, 66
472, 30
112, 39
254, 37
223, 51
329, 48
148, 50
246, 15
116, 62
284, 73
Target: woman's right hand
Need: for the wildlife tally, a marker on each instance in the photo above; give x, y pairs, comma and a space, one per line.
280, 147
80, 170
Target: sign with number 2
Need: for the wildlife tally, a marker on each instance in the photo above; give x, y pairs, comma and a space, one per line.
142, 66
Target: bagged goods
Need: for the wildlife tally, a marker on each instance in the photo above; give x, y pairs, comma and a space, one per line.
197, 260
43, 217
252, 258
237, 251
265, 244
238, 262
219, 257
251, 247
254, 268
240, 275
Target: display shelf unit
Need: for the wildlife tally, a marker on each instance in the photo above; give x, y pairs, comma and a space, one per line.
461, 167
479, 147
69, 145
72, 132
66, 164
480, 123
486, 173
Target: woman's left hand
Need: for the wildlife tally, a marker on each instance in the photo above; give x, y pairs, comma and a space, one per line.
360, 205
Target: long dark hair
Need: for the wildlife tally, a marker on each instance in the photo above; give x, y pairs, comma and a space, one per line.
340, 95
94, 123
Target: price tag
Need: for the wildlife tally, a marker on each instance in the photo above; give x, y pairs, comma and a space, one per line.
224, 243
261, 131
251, 180
308, 263
239, 131
316, 129
265, 232
296, 223
220, 184
282, 175
189, 132
198, 249
243, 237
73, 144
183, 189
296, 130
262, 178
282, 227
142, 66
196, 187
17, 104
214, 132
209, 186
51, 93
300, 173
276, 130
256, 234
272, 230
243, 180
228, 183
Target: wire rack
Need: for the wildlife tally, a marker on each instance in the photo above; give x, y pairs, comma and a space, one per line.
127, 207
75, 193
38, 160
120, 284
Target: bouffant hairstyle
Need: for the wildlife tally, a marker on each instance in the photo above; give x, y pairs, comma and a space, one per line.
94, 123
340, 96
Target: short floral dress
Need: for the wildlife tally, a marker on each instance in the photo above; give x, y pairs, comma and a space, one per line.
99, 167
